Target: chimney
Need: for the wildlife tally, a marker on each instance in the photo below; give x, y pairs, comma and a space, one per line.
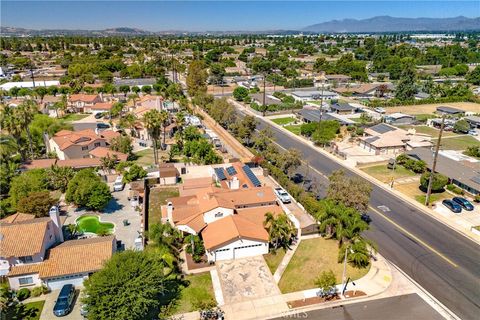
234, 183
170, 212
55, 217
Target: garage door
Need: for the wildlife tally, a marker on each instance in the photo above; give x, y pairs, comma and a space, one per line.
223, 254
56, 284
249, 251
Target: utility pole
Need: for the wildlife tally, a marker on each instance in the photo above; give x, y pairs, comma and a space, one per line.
434, 164
264, 108
33, 77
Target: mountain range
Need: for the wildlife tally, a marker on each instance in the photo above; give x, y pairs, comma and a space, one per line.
380, 24
392, 24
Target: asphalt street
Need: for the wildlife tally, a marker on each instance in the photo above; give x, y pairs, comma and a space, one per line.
442, 261
406, 307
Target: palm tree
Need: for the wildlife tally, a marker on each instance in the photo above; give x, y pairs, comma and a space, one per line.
25, 113
280, 230
8, 147
164, 118
164, 235
152, 121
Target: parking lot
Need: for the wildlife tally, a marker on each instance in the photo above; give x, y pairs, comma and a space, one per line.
467, 219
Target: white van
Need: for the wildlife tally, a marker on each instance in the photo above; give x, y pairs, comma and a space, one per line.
118, 184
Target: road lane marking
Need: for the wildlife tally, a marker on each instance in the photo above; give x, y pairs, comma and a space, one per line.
415, 237
384, 208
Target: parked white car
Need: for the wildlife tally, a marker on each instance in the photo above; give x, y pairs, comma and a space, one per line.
379, 110
282, 195
118, 185
472, 132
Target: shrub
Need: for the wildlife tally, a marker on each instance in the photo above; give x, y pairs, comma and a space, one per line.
438, 183
38, 291
455, 189
23, 294
240, 93
36, 203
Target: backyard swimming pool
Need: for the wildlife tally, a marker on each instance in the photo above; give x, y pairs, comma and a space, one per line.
92, 224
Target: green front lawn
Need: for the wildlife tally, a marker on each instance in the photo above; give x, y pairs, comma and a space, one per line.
283, 121
274, 259
434, 197
74, 117
158, 198
382, 173
34, 309
144, 157
311, 258
458, 143
200, 289
294, 128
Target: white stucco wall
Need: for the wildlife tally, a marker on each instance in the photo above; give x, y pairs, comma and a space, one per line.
209, 216
15, 284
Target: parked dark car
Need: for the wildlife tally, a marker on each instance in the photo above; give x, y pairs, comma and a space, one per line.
467, 205
365, 217
103, 126
452, 205
64, 303
98, 115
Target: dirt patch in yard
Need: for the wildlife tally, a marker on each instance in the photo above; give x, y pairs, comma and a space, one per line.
192, 265
431, 108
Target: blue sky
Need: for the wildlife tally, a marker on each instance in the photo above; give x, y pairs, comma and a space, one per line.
214, 15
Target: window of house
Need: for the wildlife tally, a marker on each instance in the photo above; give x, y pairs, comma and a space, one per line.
25, 281
97, 144
26, 259
85, 148
218, 214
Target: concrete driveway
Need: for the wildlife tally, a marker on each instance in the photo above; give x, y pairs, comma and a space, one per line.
245, 279
47, 312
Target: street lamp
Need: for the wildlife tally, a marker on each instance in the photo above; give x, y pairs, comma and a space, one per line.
321, 79
347, 248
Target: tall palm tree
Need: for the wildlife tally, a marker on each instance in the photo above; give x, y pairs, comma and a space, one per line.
25, 113
164, 118
152, 122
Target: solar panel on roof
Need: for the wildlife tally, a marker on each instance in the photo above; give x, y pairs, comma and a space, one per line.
251, 176
231, 171
220, 174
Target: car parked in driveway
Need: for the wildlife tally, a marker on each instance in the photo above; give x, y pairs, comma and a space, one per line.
464, 203
64, 303
282, 195
452, 205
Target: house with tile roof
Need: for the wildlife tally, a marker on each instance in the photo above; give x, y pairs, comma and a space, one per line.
69, 144
80, 102
226, 210
70, 262
25, 239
